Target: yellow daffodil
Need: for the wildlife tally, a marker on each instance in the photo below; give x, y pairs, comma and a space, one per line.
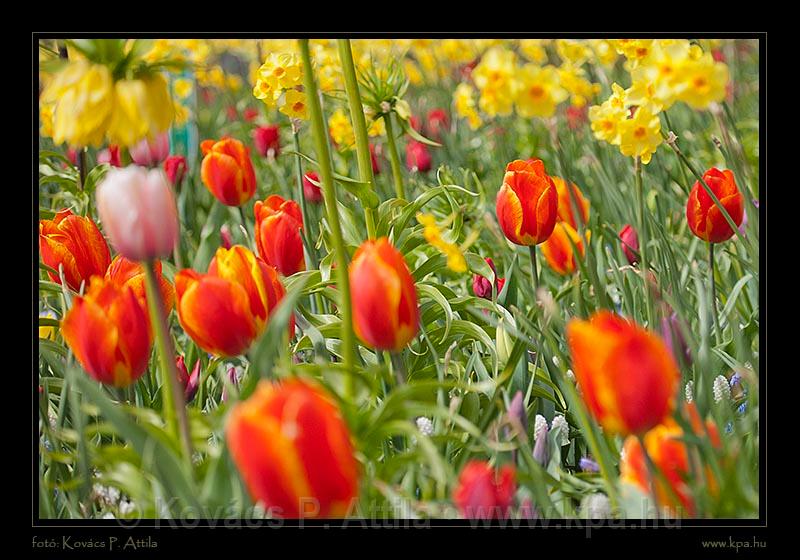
702, 82
294, 104
534, 49
539, 91
573, 51
606, 118
433, 235
573, 79
464, 97
635, 50
641, 134
183, 88
495, 77
341, 130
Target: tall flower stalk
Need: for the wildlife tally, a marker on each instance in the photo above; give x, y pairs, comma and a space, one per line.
329, 192
394, 158
359, 126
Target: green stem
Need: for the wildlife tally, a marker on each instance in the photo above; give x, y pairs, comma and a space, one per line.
174, 408
685, 179
81, 168
394, 158
329, 192
534, 272
359, 127
398, 367
307, 222
637, 168
713, 285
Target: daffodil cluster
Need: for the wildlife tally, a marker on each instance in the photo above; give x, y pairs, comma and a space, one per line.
279, 84
662, 72
341, 130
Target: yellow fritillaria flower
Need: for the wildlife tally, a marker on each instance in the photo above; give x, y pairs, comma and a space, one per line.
341, 130
46, 118
142, 109
641, 134
539, 91
82, 95
433, 235
294, 104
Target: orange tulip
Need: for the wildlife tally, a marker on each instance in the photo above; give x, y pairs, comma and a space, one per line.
704, 217
278, 225
527, 204
126, 272
108, 331
75, 243
558, 250
627, 374
566, 212
385, 311
670, 455
225, 310
293, 450
227, 171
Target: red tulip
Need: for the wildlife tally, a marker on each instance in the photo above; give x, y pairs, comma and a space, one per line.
418, 157
311, 191
527, 204
629, 240
481, 286
374, 159
483, 493
227, 171
278, 225
438, 122
704, 217
175, 168
268, 140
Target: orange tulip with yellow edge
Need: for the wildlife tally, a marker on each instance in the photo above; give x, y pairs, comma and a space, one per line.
527, 203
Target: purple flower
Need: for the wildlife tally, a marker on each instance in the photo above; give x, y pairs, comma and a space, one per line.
588, 464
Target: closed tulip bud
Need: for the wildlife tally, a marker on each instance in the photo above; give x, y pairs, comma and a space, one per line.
234, 381
137, 208
278, 225
189, 382
224, 310
418, 157
110, 156
108, 331
125, 272
175, 168
227, 171
74, 243
293, 450
373, 158
225, 236
385, 310
267, 140
627, 375
665, 446
704, 217
541, 452
438, 121
311, 189
481, 286
629, 240
568, 204
150, 152
527, 204
250, 114
482, 493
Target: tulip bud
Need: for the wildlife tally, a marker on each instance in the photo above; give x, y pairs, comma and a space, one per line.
268, 140
540, 447
294, 451
482, 493
175, 168
250, 114
627, 375
138, 211
150, 153
629, 240
189, 382
527, 203
373, 157
438, 122
385, 309
311, 189
704, 217
418, 157
74, 244
234, 381
481, 286
227, 171
278, 226
110, 156
558, 251
225, 236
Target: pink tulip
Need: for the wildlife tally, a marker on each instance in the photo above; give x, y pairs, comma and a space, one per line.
150, 153
110, 156
630, 243
138, 212
418, 157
